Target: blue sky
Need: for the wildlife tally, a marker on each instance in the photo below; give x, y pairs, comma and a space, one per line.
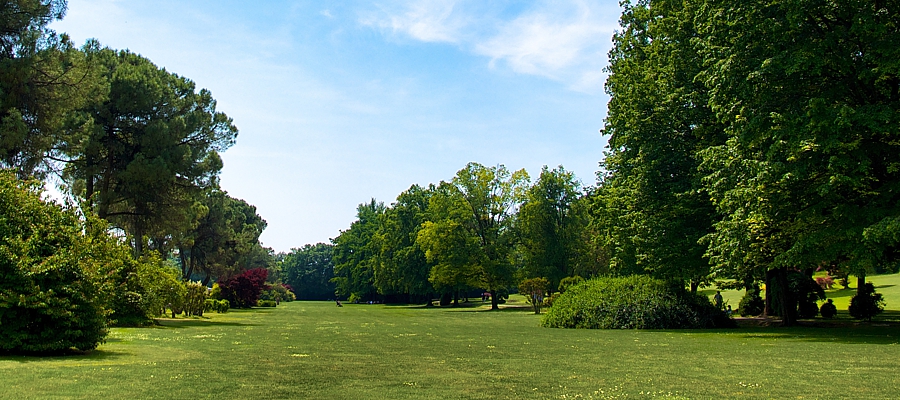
338, 102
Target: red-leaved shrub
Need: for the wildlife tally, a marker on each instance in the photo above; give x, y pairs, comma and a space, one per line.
243, 290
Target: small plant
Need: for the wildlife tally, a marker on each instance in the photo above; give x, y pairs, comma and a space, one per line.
866, 304
266, 303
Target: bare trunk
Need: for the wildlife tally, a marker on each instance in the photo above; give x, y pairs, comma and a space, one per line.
770, 279
860, 283
495, 305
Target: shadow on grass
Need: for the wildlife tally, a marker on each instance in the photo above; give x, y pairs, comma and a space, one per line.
847, 335
71, 355
187, 323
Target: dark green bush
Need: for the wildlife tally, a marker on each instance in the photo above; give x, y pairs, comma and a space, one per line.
866, 304
224, 306
752, 304
266, 303
634, 302
828, 309
49, 298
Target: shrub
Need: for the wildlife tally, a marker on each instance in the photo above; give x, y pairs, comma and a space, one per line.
266, 303
866, 304
568, 281
194, 298
752, 304
278, 292
243, 290
634, 302
224, 306
828, 310
534, 290
50, 299
826, 283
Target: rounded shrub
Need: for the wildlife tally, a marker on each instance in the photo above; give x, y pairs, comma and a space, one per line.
633, 302
49, 299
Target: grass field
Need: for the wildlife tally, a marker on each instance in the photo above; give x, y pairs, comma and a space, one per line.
318, 351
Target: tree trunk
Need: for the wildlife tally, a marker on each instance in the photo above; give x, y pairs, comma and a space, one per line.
770, 279
788, 309
860, 282
495, 305
455, 298
694, 286
138, 240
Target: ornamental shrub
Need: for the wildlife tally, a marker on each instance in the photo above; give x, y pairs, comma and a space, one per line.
866, 304
633, 302
828, 310
243, 290
266, 303
49, 298
752, 304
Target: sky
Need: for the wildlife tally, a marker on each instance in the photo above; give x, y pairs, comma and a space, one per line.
339, 102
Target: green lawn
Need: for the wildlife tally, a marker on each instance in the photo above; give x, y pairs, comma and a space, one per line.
319, 351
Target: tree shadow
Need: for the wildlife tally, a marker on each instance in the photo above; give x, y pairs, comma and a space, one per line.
870, 334
68, 355
188, 323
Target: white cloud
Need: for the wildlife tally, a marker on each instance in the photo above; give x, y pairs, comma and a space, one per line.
563, 41
427, 21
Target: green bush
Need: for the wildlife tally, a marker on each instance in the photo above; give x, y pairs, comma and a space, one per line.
866, 304
224, 306
568, 281
752, 304
828, 310
49, 297
266, 303
634, 302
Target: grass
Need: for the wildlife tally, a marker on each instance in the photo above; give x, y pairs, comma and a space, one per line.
316, 350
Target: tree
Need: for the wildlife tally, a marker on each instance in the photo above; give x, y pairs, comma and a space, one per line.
224, 238
808, 94
651, 207
309, 270
551, 224
49, 299
402, 267
152, 146
534, 290
44, 79
472, 226
355, 252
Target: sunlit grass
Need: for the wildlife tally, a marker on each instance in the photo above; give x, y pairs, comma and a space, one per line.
319, 351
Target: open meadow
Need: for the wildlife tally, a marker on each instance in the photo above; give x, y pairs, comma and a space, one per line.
317, 350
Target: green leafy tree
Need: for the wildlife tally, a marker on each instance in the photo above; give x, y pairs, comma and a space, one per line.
355, 252
808, 94
44, 79
309, 270
402, 267
224, 238
534, 290
152, 146
651, 208
472, 226
551, 224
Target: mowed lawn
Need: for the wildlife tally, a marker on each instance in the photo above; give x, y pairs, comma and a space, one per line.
316, 350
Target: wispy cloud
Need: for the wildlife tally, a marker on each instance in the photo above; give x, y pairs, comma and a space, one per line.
566, 41
427, 21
